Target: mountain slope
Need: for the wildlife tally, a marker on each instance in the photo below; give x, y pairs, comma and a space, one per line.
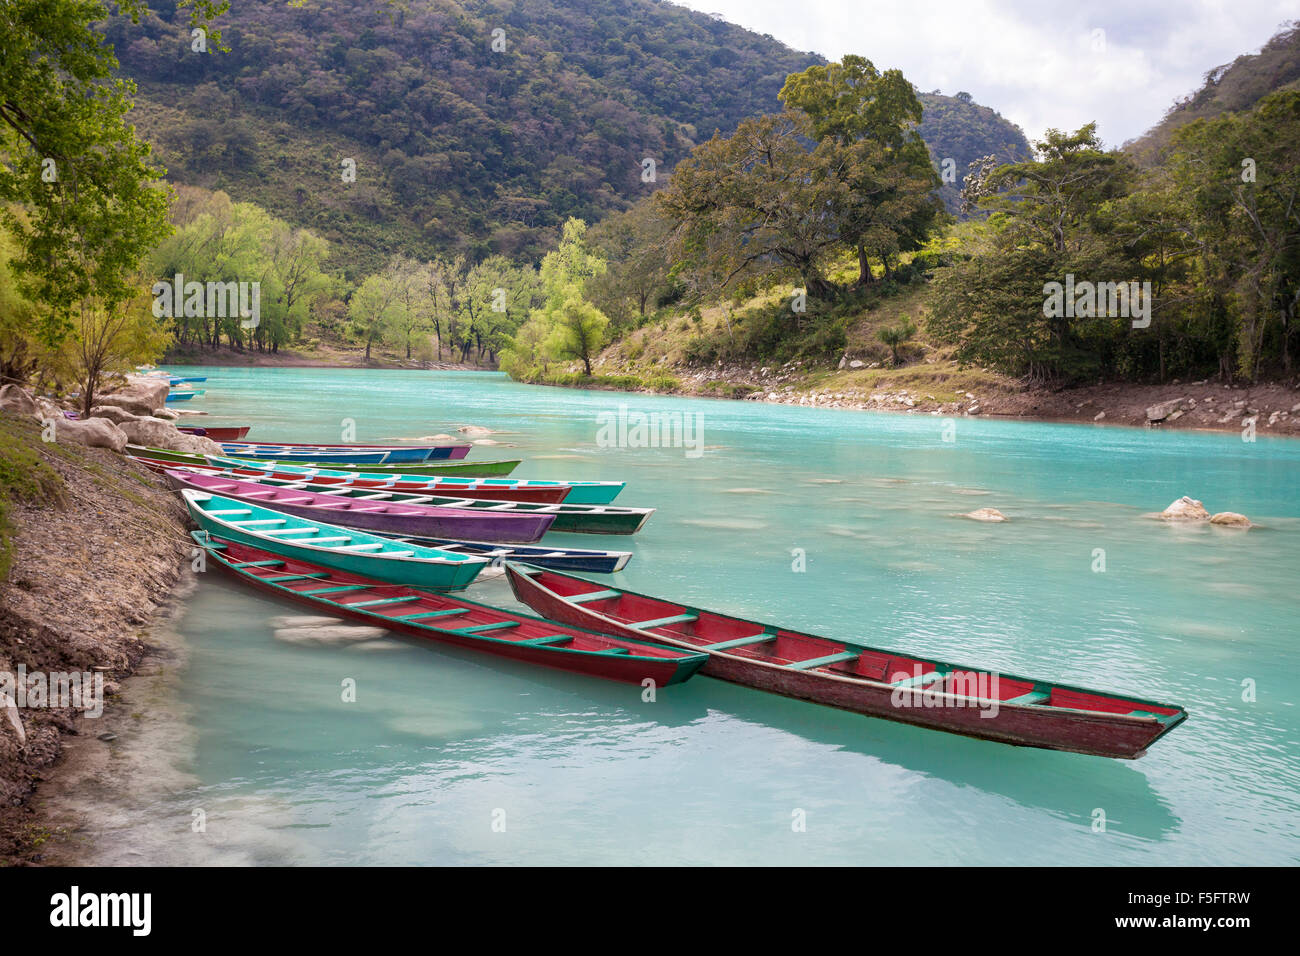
1235, 86
464, 139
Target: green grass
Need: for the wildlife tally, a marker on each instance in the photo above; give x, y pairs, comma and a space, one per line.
24, 476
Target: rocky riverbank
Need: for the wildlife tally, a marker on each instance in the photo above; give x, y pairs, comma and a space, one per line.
1272, 409
94, 546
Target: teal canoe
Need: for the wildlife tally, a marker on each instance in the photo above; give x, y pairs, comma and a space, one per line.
331, 546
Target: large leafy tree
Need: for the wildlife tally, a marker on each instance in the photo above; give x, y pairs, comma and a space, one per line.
870, 118
1052, 218
90, 200
566, 325
758, 203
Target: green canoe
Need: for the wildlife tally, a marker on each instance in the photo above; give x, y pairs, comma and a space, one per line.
461, 469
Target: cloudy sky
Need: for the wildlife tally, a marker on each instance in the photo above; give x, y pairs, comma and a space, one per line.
1041, 63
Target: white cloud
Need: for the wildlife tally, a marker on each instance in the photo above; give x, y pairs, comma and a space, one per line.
1038, 63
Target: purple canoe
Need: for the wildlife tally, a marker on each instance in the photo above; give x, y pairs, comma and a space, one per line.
436, 521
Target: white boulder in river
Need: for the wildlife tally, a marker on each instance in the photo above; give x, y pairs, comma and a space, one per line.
986, 514
1185, 509
1231, 519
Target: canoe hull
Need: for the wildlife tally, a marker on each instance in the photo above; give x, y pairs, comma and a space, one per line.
576, 560
622, 667
1103, 735
451, 575
460, 469
407, 484
431, 522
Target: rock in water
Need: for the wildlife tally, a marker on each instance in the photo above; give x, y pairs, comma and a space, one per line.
986, 514
474, 431
329, 635
1231, 519
1185, 509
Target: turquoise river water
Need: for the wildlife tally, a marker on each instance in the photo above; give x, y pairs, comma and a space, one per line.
451, 757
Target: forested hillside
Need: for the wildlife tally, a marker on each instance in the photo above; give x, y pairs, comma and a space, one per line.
465, 141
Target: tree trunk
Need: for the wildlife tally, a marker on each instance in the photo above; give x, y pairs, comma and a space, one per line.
586, 363
864, 268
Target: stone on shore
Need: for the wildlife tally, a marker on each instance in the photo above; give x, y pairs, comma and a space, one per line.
114, 414
1162, 410
140, 396
986, 514
1231, 519
17, 400
93, 432
156, 433
1185, 509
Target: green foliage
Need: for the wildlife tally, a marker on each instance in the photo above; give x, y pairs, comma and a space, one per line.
896, 337
91, 206
460, 149
566, 325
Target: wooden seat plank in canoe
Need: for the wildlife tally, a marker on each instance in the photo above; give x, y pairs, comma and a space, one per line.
231, 511
740, 641
281, 578
1035, 696
823, 661
480, 628
258, 564
548, 639
421, 615
257, 521
662, 621
341, 587
376, 602
593, 596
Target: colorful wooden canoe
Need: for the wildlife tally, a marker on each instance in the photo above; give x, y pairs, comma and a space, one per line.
378, 517
471, 469
583, 560
880, 683
451, 620
341, 549
499, 489
216, 432
181, 396
347, 454
580, 519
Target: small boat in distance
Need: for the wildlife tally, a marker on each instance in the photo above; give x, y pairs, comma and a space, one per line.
342, 549
879, 683
217, 433
451, 620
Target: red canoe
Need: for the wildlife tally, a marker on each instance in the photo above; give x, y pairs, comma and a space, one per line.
879, 683
453, 620
217, 432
